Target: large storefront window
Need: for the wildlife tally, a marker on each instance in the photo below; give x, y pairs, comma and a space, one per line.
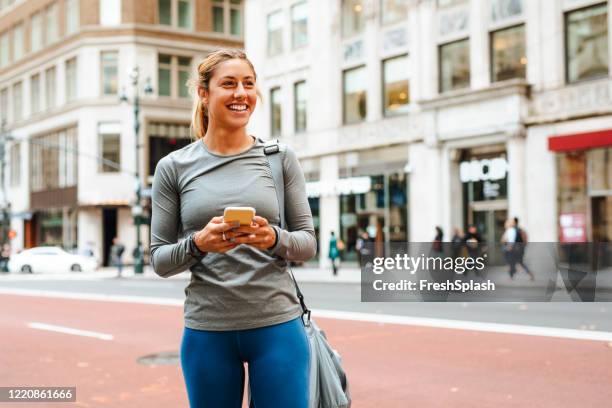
572, 196
165, 138
381, 212
584, 186
587, 43
484, 177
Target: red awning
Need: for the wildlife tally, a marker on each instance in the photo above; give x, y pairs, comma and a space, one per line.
580, 141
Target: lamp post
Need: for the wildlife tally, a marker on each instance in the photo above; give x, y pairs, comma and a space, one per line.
137, 207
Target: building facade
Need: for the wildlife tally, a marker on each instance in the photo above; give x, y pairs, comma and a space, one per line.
67, 99
411, 114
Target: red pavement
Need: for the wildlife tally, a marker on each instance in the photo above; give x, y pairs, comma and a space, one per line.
388, 365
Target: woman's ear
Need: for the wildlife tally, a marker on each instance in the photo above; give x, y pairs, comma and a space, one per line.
203, 95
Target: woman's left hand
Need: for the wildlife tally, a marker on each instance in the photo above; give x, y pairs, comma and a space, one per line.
259, 234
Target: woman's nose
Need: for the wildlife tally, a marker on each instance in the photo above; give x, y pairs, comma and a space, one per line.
239, 92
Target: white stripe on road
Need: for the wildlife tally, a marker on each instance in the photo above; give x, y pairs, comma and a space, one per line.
68, 330
341, 315
467, 325
93, 296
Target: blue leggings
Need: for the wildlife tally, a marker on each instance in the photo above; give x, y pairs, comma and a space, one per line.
278, 357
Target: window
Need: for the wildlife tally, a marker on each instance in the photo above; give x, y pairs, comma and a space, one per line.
53, 162
392, 11
15, 164
109, 72
3, 106
17, 101
72, 16
354, 95
508, 58
587, 43
275, 111
71, 79
184, 69
50, 88
396, 85
36, 33
300, 103
236, 17
17, 42
51, 24
175, 13
110, 12
109, 145
446, 3
35, 93
454, 65
164, 12
184, 13
164, 138
275, 33
227, 14
172, 75
218, 15
299, 25
353, 19
164, 68
4, 49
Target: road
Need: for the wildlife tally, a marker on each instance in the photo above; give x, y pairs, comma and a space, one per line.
456, 357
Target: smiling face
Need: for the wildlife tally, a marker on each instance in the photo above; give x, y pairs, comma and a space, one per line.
231, 96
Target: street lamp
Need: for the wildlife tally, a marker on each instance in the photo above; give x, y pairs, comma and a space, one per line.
137, 207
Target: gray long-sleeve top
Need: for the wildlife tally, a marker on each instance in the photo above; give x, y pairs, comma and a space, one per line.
245, 287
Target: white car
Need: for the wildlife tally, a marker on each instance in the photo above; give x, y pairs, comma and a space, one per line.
49, 259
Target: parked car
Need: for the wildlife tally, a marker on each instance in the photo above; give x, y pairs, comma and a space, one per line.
49, 260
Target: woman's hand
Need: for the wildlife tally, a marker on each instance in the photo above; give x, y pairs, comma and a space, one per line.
214, 237
259, 234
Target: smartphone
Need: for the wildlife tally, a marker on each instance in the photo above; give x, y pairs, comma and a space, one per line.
242, 214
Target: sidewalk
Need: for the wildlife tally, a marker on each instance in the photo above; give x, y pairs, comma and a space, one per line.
352, 274
346, 274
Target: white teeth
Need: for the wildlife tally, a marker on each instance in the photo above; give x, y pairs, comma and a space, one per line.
238, 107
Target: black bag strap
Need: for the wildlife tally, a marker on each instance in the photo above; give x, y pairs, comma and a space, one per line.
275, 152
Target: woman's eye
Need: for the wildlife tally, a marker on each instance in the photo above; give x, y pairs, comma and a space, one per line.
228, 83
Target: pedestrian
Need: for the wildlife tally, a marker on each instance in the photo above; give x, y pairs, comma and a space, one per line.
457, 243
521, 244
334, 253
363, 247
437, 242
116, 255
508, 242
5, 256
241, 304
473, 243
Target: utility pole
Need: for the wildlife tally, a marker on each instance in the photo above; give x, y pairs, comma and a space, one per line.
137, 207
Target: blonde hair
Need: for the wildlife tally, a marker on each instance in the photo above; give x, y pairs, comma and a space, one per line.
206, 69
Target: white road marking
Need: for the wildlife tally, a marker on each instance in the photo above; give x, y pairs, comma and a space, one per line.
354, 316
69, 330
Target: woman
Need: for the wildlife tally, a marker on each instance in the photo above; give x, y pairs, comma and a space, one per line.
241, 303
334, 252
